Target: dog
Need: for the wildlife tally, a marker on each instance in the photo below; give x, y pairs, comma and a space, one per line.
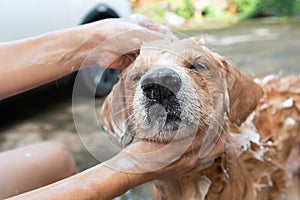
176, 89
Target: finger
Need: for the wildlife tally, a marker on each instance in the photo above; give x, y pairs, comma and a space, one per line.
141, 20
149, 24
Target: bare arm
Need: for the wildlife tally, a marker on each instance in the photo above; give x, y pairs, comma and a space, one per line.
107, 180
31, 62
28, 63
99, 182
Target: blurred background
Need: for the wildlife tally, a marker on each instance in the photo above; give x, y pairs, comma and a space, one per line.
261, 36
203, 14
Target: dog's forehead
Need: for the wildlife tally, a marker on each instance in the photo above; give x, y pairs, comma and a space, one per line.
182, 49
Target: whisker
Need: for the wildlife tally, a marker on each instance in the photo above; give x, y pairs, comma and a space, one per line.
130, 116
122, 110
124, 96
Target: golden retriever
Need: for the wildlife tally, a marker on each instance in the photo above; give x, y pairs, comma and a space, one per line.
177, 89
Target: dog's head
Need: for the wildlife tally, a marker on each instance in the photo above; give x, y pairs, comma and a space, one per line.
175, 89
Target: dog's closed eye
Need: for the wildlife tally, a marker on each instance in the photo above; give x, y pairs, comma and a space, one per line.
197, 67
136, 77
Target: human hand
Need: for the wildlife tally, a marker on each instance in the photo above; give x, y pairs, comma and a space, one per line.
159, 160
117, 41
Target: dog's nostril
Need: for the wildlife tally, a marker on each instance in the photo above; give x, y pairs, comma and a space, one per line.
160, 83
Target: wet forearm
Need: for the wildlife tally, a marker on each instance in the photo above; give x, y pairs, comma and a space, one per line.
99, 182
28, 63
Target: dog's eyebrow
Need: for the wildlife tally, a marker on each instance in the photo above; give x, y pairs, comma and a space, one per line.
192, 54
191, 59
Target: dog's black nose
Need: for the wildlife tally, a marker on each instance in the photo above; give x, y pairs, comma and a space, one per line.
160, 83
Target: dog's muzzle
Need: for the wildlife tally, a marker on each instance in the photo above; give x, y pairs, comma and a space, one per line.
160, 87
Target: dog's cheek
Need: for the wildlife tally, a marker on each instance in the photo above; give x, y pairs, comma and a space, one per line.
202, 88
113, 112
200, 98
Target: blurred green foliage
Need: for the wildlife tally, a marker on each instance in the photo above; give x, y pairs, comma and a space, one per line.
237, 9
297, 7
247, 8
278, 7
183, 8
158, 11
210, 11
254, 8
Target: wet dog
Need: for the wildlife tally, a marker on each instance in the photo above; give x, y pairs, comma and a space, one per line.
174, 90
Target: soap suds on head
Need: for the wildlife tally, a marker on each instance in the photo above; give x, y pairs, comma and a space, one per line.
288, 103
265, 80
290, 121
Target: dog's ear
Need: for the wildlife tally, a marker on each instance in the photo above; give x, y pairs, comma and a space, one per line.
113, 114
243, 93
